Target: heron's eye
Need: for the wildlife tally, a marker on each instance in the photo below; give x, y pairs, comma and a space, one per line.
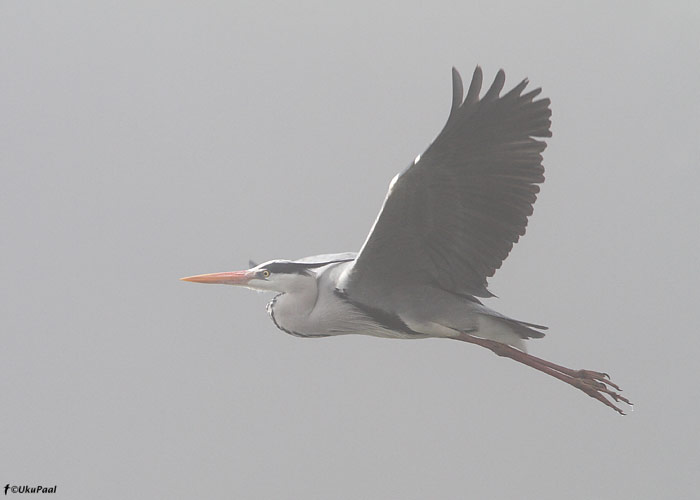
265, 273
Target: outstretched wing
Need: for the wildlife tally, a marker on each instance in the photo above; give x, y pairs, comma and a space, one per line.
451, 218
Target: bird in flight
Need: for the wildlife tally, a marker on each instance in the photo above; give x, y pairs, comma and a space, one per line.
447, 223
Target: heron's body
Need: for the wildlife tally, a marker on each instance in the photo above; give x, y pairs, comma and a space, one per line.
446, 225
319, 307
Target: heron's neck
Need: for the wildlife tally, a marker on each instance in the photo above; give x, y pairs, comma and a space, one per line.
290, 310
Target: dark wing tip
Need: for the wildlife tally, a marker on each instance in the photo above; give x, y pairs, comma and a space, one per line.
474, 86
532, 94
457, 92
496, 86
517, 90
251, 263
545, 122
457, 88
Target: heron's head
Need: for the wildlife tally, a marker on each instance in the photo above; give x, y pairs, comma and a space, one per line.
275, 275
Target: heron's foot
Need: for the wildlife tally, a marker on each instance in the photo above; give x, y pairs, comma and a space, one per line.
597, 385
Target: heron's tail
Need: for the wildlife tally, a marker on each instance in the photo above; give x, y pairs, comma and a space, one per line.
525, 330
505, 330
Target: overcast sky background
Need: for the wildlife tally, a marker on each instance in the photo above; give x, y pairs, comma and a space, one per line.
143, 142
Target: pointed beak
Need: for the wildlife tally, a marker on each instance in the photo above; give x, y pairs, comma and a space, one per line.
230, 278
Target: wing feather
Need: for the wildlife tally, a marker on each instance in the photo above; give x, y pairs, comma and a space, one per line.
452, 217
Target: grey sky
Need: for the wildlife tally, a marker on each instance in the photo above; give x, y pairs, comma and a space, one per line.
142, 142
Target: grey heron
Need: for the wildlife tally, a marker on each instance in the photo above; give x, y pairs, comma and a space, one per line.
447, 223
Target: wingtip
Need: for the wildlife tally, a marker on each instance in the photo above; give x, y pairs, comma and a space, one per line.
532, 94
496, 86
478, 73
457, 90
475, 85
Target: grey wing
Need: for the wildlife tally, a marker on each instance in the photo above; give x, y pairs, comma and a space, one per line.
451, 218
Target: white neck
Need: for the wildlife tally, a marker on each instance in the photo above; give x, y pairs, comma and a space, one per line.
290, 310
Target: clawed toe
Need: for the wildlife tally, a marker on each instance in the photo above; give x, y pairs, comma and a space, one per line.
595, 384
597, 376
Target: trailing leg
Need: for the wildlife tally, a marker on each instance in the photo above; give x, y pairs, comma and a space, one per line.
595, 384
